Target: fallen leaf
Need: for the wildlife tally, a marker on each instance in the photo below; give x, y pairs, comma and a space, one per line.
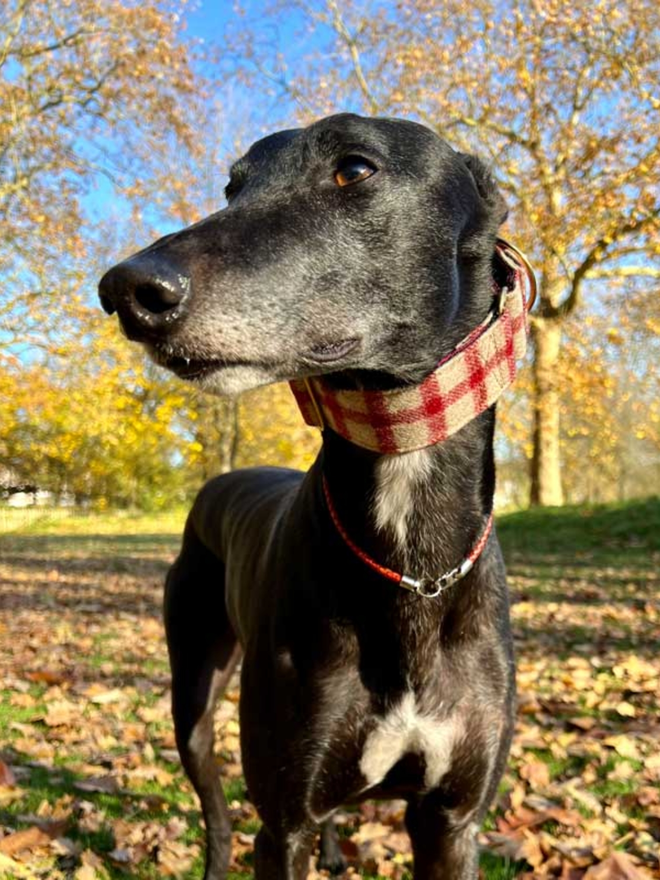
618, 866
27, 839
103, 784
120, 856
13, 869
627, 710
61, 713
7, 777
623, 745
46, 676
530, 850
536, 773
107, 697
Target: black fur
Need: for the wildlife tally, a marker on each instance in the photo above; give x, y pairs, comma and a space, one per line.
391, 273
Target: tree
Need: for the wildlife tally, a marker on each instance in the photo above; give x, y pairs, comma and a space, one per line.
565, 101
91, 91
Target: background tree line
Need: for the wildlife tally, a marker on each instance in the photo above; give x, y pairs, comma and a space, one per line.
116, 125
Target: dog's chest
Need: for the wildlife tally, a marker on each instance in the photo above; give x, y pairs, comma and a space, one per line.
405, 747
404, 730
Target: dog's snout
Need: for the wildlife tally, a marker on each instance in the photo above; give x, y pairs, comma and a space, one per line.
148, 292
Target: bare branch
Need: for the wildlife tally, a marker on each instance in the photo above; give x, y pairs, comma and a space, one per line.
351, 44
53, 47
624, 272
601, 251
13, 31
286, 86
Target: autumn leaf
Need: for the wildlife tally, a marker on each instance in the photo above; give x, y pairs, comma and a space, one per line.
618, 866
536, 773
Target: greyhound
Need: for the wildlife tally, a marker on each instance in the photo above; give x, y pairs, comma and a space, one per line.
358, 259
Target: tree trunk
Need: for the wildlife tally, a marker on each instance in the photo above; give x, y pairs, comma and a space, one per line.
229, 435
546, 488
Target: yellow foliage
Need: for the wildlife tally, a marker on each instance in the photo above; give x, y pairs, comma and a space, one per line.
272, 430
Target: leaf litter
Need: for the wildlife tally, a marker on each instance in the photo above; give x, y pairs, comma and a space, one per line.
90, 783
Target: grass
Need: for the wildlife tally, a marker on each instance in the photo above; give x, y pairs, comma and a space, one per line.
80, 616
629, 529
44, 521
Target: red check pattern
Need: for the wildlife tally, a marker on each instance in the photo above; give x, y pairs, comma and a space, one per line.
464, 384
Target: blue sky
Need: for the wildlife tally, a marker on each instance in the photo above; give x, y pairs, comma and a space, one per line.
209, 19
251, 113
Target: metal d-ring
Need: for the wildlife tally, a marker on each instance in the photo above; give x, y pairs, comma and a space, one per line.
529, 270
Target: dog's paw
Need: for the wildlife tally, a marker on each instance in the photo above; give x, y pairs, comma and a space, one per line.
332, 861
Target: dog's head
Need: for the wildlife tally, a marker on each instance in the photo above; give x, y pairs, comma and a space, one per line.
360, 247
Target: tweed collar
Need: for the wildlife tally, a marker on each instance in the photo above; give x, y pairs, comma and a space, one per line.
464, 384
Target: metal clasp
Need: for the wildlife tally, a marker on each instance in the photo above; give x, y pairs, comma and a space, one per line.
429, 588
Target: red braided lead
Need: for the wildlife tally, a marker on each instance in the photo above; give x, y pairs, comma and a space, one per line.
475, 553
428, 587
386, 572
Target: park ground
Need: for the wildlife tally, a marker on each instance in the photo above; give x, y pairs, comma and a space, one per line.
91, 786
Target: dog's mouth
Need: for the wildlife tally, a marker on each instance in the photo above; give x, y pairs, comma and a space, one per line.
195, 368
333, 350
189, 368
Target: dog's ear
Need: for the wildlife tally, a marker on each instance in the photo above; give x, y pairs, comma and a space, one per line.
486, 187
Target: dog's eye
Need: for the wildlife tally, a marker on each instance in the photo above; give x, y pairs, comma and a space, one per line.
352, 170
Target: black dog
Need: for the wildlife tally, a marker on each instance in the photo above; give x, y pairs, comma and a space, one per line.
362, 251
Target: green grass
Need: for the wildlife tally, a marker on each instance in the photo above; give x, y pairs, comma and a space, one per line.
594, 557
15, 714
631, 526
495, 868
66, 521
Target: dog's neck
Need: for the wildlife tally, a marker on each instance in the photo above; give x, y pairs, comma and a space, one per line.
411, 468
419, 512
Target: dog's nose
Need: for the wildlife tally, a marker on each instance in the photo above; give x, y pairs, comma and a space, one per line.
149, 293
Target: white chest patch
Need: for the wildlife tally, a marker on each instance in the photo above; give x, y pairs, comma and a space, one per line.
405, 730
396, 477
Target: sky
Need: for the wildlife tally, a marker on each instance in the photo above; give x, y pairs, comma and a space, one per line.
210, 18
245, 115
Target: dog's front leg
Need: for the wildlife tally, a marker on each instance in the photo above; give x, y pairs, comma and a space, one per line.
203, 654
442, 849
283, 856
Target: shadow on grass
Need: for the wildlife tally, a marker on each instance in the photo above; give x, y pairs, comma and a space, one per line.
93, 553
546, 639
80, 572
110, 564
23, 543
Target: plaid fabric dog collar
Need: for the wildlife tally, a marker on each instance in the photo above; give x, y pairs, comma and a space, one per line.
464, 384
